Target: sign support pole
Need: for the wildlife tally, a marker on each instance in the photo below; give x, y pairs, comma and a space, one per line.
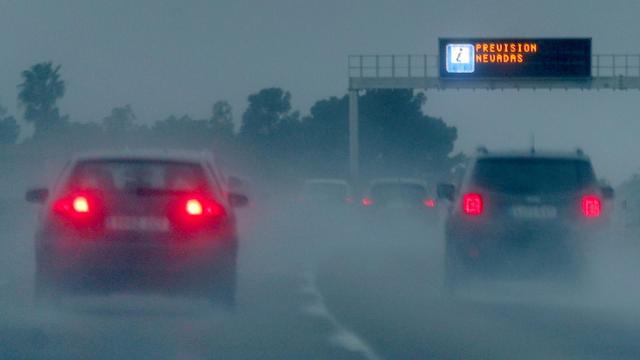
353, 136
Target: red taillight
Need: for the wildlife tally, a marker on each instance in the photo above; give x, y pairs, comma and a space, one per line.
591, 206
193, 207
75, 205
367, 201
81, 204
196, 212
430, 203
214, 209
197, 207
472, 204
81, 209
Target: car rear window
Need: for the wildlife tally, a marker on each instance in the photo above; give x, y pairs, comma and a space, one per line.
325, 190
533, 176
125, 175
409, 192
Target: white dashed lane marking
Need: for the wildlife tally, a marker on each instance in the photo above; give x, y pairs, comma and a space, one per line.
340, 335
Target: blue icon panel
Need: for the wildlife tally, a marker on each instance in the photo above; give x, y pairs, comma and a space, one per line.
460, 58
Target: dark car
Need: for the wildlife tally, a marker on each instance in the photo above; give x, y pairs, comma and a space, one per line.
158, 223
523, 214
399, 195
331, 192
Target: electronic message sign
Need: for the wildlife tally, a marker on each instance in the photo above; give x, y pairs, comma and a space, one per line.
481, 58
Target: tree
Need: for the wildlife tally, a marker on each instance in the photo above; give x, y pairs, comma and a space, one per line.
266, 111
222, 127
326, 138
270, 131
396, 137
120, 121
40, 90
182, 132
222, 118
9, 128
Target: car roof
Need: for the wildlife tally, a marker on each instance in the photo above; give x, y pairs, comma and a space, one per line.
149, 155
326, 181
516, 154
408, 181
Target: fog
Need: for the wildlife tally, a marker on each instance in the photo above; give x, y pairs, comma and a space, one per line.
330, 281
171, 58
262, 86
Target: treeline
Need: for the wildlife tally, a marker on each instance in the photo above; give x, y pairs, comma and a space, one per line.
272, 140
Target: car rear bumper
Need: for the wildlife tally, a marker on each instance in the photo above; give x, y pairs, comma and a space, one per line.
518, 248
108, 256
101, 267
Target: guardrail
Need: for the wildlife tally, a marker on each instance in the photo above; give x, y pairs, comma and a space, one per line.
615, 65
393, 66
426, 66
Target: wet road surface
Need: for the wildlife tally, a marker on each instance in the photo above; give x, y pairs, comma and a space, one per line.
318, 291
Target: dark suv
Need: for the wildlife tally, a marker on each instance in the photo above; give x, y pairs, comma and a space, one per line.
520, 214
137, 223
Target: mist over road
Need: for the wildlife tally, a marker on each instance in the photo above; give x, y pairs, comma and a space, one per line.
343, 288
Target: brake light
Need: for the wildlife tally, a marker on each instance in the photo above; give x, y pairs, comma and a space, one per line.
81, 204
193, 207
430, 203
196, 212
591, 206
472, 204
81, 209
367, 201
75, 205
198, 207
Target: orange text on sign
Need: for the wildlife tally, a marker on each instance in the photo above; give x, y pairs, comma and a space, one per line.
504, 52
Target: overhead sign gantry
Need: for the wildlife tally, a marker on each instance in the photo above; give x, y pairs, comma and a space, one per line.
491, 64
476, 58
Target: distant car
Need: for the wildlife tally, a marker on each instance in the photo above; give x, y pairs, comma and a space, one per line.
331, 192
523, 214
400, 196
148, 222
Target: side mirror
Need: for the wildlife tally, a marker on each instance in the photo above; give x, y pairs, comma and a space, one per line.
234, 182
37, 196
607, 192
446, 191
238, 200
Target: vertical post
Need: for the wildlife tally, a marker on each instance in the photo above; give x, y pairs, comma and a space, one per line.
425, 62
626, 65
353, 136
393, 66
361, 67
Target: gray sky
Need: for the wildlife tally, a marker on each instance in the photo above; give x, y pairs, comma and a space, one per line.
167, 57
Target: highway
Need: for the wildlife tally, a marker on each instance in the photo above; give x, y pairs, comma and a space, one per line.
335, 289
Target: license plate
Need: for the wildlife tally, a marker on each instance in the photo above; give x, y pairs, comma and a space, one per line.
534, 212
137, 223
